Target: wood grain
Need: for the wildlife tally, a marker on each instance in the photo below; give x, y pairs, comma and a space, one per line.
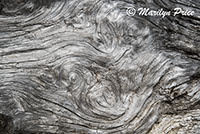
86, 67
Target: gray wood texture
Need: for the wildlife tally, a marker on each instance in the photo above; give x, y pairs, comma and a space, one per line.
87, 67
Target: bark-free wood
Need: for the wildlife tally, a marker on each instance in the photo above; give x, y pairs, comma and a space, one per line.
87, 67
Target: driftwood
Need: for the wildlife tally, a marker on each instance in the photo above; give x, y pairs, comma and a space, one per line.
88, 67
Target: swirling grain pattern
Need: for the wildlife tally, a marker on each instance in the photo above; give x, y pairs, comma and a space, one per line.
86, 67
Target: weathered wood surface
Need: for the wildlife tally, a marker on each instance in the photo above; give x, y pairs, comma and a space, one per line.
86, 67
